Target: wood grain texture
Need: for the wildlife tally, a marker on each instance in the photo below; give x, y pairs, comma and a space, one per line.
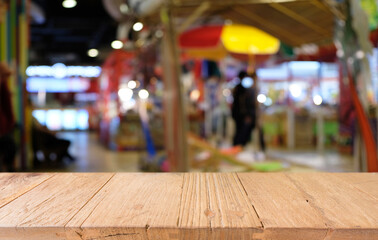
282, 207
48, 207
215, 205
14, 185
134, 206
341, 204
364, 182
153, 206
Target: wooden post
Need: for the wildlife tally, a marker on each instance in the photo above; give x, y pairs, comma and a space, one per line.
290, 114
320, 139
174, 109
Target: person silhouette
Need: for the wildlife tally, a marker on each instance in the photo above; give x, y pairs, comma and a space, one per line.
243, 109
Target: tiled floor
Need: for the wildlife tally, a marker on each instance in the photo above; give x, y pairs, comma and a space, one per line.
91, 156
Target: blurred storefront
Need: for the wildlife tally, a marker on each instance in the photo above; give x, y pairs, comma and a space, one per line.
167, 86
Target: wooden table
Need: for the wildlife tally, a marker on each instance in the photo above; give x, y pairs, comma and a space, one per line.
149, 206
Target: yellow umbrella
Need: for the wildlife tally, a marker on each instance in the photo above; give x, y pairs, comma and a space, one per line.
248, 40
213, 42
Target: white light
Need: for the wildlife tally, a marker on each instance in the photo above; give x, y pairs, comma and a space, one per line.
194, 95
60, 70
69, 3
132, 84
317, 100
93, 52
360, 54
124, 8
137, 26
143, 94
261, 98
226, 92
295, 90
125, 94
116, 44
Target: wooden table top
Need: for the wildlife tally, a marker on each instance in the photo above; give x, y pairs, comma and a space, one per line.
149, 206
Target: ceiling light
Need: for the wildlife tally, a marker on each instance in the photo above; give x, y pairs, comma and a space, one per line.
117, 44
137, 26
69, 3
93, 52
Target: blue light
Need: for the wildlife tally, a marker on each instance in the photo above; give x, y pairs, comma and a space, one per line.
82, 119
40, 115
247, 82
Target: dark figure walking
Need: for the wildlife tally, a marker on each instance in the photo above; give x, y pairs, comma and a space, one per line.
244, 109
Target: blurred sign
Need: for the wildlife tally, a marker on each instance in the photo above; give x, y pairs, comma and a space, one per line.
59, 70
62, 119
51, 84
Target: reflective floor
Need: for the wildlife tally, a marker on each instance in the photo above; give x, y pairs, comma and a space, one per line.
91, 156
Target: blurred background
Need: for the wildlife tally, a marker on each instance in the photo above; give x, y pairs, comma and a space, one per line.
187, 85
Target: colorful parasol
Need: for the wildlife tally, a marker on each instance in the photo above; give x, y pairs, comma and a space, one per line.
214, 42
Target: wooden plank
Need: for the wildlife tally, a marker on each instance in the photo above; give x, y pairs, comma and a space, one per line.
283, 210
43, 212
299, 18
198, 12
267, 26
350, 214
215, 206
134, 206
140, 206
364, 182
14, 185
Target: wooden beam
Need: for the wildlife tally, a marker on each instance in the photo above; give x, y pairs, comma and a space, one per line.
334, 10
294, 15
274, 28
203, 7
319, 4
186, 3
